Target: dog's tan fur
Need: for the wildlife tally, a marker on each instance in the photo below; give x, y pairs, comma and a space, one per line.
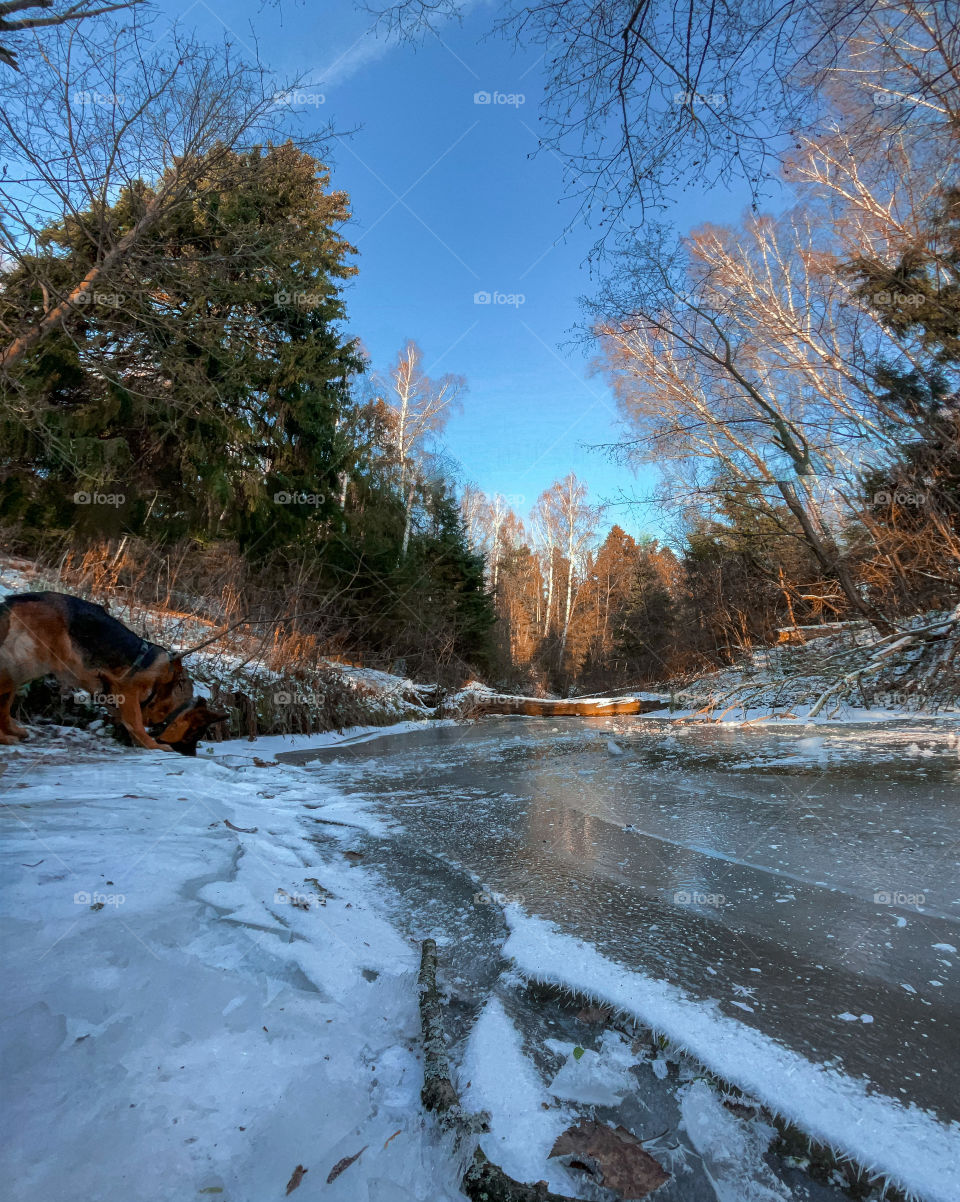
184, 730
35, 641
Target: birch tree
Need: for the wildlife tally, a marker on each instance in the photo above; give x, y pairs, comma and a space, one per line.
564, 512
545, 539
422, 406
693, 385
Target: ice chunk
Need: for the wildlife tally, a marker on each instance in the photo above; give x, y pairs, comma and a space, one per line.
732, 1150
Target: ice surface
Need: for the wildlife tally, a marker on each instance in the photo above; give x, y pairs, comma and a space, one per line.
908, 1145
597, 1078
248, 1006
731, 1150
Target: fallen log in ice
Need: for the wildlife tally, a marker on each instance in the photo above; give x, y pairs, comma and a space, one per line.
483, 1181
478, 703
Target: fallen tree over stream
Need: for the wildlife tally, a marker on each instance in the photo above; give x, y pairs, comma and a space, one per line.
474, 703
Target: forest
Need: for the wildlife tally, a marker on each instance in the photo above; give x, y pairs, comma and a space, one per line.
480, 600
184, 414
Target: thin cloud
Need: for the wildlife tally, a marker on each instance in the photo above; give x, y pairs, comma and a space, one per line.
369, 48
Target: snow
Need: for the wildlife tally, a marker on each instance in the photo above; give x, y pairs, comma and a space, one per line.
909, 1146
784, 681
266, 746
204, 1036
226, 1004
497, 1077
241, 660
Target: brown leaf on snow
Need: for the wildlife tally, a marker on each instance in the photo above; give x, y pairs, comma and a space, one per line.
296, 1177
614, 1157
243, 830
595, 1014
345, 1164
259, 763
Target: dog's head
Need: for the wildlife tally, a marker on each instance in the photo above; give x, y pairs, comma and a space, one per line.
187, 727
172, 687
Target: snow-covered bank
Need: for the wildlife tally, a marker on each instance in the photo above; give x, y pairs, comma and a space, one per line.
850, 670
198, 999
234, 999
908, 1146
241, 750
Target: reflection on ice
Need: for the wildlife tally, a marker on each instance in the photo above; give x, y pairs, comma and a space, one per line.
793, 876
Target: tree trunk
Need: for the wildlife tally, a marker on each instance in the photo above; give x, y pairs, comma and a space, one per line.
566, 612
546, 620
15, 350
407, 522
829, 557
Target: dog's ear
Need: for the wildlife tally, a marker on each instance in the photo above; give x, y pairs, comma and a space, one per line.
189, 727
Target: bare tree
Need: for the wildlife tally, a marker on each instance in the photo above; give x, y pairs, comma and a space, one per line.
422, 407
22, 16
646, 96
545, 537
564, 511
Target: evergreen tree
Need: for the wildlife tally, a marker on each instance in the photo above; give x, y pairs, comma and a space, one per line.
212, 381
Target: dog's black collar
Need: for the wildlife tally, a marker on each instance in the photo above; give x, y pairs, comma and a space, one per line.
140, 661
141, 657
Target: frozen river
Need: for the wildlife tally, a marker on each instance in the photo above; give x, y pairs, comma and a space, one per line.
807, 880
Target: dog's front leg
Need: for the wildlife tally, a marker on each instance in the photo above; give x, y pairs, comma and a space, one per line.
10, 731
128, 711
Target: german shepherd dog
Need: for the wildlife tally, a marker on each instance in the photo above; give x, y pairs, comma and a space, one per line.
186, 726
80, 644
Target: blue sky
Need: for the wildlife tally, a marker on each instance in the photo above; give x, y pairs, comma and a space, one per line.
451, 200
